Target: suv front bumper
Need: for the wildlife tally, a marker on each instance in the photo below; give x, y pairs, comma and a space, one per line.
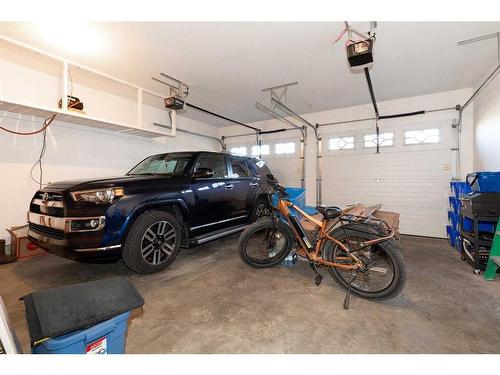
72, 237
68, 224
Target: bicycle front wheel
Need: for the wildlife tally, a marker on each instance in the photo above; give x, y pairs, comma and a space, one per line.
263, 244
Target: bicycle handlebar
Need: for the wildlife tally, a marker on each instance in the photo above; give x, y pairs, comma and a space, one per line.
275, 185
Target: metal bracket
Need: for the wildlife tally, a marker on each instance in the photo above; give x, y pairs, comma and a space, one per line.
351, 30
279, 92
481, 38
177, 87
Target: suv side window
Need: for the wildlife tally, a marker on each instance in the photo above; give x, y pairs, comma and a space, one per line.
217, 163
253, 168
240, 168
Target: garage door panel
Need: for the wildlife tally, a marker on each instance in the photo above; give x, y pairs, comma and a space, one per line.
286, 170
371, 199
411, 181
388, 186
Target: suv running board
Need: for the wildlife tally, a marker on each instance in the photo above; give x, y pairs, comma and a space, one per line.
216, 234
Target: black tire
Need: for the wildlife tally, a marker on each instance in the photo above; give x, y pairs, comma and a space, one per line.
257, 233
137, 253
261, 210
388, 252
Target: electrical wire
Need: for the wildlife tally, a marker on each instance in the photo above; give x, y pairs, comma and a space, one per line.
39, 160
47, 122
71, 81
341, 35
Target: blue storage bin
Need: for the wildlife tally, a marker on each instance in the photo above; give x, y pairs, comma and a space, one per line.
107, 337
451, 234
296, 195
468, 226
453, 219
454, 226
484, 182
454, 204
460, 188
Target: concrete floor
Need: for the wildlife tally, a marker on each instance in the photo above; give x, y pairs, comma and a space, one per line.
209, 301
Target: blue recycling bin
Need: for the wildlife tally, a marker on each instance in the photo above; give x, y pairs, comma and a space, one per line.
459, 188
83, 318
451, 234
297, 196
454, 204
483, 226
484, 182
107, 337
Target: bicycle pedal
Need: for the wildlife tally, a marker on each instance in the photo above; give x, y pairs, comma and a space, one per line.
317, 279
317, 276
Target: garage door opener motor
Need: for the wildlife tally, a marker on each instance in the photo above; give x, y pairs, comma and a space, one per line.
179, 91
359, 52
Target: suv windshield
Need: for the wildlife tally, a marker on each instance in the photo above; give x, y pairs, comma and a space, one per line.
164, 164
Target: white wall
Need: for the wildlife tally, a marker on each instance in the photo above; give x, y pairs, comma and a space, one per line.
73, 151
423, 102
487, 127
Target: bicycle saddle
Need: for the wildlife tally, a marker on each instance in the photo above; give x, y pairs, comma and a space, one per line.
331, 212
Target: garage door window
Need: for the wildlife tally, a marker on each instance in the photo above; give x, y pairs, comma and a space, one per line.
284, 148
386, 139
415, 137
239, 151
264, 150
341, 143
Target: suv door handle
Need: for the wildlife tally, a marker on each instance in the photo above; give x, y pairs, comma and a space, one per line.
228, 186
254, 184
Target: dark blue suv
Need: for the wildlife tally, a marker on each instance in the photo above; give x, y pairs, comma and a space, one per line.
165, 202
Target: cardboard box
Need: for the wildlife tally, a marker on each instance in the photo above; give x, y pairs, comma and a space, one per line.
21, 245
391, 218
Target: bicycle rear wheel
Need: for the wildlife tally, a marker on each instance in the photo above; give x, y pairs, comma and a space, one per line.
385, 273
264, 245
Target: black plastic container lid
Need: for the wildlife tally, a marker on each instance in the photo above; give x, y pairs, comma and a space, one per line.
54, 312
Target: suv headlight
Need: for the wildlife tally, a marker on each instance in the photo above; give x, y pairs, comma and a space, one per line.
98, 196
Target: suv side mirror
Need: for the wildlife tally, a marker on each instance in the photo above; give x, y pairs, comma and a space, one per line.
203, 173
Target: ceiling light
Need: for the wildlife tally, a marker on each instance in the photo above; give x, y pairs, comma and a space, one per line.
73, 37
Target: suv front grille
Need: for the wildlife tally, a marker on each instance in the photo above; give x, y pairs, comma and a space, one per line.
52, 211
47, 203
46, 231
50, 196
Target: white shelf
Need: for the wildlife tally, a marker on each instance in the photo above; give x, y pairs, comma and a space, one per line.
77, 118
15, 104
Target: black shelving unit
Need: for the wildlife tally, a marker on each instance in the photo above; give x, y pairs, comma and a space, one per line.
478, 251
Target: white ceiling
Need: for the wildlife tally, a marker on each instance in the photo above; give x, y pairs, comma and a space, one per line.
227, 64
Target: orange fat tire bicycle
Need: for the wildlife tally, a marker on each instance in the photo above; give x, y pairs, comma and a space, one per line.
360, 253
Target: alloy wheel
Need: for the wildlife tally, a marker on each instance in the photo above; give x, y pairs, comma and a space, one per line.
262, 210
158, 242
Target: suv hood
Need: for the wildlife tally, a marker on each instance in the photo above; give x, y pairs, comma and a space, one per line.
101, 182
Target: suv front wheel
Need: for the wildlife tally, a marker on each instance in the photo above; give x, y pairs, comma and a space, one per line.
153, 242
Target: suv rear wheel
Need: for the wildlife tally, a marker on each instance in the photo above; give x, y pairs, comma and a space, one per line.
153, 242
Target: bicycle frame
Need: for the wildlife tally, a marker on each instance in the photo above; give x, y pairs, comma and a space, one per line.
324, 226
